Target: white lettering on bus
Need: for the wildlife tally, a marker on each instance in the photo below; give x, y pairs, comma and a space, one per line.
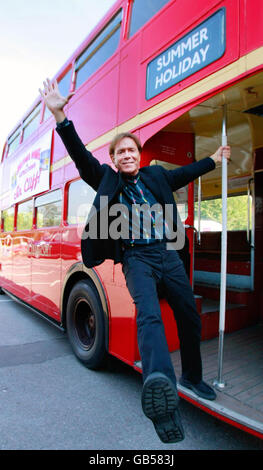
183, 66
191, 43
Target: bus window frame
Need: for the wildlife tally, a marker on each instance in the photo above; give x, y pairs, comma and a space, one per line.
66, 201
36, 111
76, 67
130, 11
4, 152
2, 220
16, 133
241, 193
36, 205
33, 210
59, 78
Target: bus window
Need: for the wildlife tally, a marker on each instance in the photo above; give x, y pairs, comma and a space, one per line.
99, 50
64, 83
64, 87
13, 141
49, 209
140, 15
8, 219
80, 199
31, 123
25, 215
211, 217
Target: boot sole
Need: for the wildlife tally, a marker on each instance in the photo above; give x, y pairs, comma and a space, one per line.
159, 404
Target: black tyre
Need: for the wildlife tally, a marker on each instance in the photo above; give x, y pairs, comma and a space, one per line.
86, 325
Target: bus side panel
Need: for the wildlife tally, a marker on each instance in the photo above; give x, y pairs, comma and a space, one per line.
22, 264
123, 330
180, 18
90, 118
173, 23
6, 260
46, 271
130, 80
251, 25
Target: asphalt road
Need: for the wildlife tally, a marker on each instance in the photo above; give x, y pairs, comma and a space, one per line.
48, 400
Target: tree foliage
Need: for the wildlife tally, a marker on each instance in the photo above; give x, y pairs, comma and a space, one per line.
236, 212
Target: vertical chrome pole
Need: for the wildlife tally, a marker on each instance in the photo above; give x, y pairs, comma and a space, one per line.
219, 383
198, 230
251, 228
248, 210
199, 210
252, 244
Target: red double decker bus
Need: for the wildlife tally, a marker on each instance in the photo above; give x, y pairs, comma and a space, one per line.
184, 76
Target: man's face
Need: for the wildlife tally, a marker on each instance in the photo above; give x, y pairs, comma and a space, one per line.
127, 157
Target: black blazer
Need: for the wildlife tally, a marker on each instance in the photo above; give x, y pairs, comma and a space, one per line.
107, 182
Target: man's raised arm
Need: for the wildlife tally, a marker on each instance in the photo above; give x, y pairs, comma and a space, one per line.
187, 173
54, 100
89, 168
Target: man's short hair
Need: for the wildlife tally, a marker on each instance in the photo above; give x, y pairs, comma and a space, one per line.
121, 136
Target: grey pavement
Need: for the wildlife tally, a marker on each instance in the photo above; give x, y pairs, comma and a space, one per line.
49, 400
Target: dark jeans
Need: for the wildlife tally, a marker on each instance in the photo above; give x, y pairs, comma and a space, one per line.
146, 267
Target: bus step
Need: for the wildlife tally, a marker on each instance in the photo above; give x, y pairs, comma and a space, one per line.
233, 295
237, 316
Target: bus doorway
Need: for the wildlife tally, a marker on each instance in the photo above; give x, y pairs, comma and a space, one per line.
241, 399
258, 185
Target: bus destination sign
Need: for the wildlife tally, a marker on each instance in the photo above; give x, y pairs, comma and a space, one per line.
199, 48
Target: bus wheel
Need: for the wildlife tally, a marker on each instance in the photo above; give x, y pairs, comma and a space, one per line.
86, 325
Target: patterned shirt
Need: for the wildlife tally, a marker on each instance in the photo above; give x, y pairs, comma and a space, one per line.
145, 225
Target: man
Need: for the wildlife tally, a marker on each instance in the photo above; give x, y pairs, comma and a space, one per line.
147, 263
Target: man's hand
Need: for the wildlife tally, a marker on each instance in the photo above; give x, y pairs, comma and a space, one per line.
222, 152
54, 100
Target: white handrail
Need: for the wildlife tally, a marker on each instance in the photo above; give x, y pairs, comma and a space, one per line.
199, 210
219, 383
